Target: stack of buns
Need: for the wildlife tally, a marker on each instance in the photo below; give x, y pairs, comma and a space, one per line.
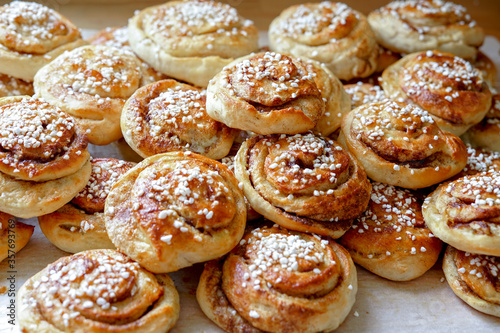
279, 169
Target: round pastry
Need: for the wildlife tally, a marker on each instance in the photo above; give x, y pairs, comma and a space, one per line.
278, 280
14, 236
191, 40
474, 278
486, 134
419, 25
391, 239
303, 182
266, 93
167, 116
11, 86
401, 145
97, 291
31, 36
175, 209
44, 160
448, 87
79, 225
464, 213
329, 32
363, 93
118, 37
92, 83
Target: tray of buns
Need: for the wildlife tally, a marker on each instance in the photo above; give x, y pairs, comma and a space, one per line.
187, 171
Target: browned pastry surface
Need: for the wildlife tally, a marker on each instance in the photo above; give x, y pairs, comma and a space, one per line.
400, 144
448, 87
418, 25
11, 86
303, 182
362, 93
175, 209
167, 116
474, 278
391, 239
486, 134
279, 281
97, 291
465, 213
14, 236
266, 93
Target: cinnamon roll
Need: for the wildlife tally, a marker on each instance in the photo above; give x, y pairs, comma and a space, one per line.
167, 116
486, 134
14, 236
191, 40
278, 280
363, 93
465, 213
31, 36
44, 160
266, 93
487, 67
175, 209
448, 87
118, 37
419, 25
92, 83
11, 86
97, 291
303, 182
474, 278
329, 32
79, 225
391, 239
401, 145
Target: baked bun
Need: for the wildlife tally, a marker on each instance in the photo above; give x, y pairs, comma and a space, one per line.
167, 116
278, 280
479, 160
391, 239
44, 160
329, 32
118, 37
448, 87
79, 225
363, 93
14, 236
486, 134
31, 36
97, 291
91, 84
11, 86
487, 68
175, 209
464, 213
401, 145
419, 25
266, 93
304, 182
474, 278
191, 40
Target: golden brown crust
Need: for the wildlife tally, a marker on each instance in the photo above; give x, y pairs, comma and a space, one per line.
362, 93
266, 93
486, 134
303, 182
391, 239
412, 26
474, 278
309, 284
39, 142
14, 235
329, 32
91, 84
32, 35
175, 209
168, 116
446, 86
11, 86
400, 145
465, 213
487, 68
119, 296
191, 40
479, 160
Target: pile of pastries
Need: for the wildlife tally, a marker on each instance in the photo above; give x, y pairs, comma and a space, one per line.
351, 139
